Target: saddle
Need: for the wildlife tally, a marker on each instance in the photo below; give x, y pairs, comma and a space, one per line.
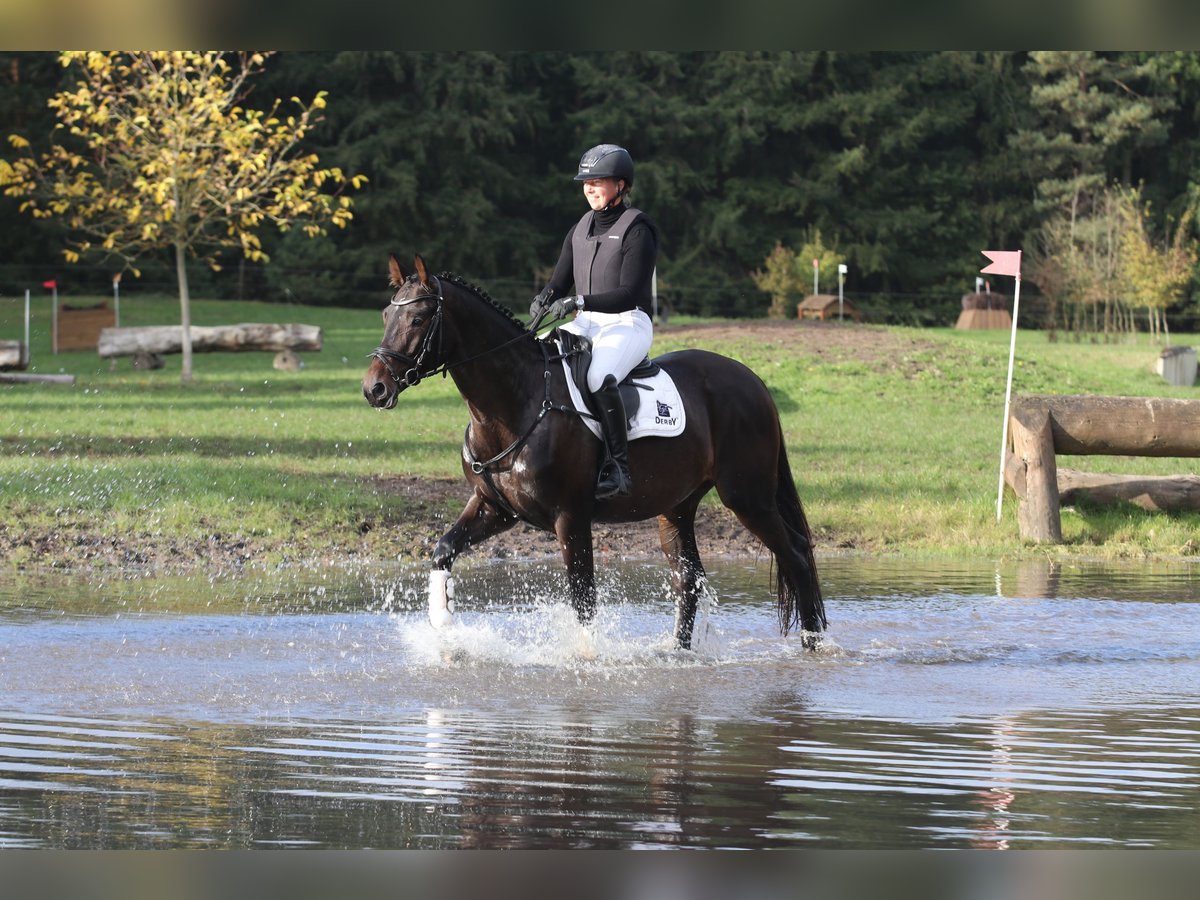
577, 354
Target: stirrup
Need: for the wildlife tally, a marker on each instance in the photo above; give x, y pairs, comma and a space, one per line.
613, 482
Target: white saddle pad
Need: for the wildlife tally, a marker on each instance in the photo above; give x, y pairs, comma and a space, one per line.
660, 413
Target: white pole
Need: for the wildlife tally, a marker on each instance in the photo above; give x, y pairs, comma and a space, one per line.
841, 282
816, 271
1012, 350
26, 327
654, 294
117, 301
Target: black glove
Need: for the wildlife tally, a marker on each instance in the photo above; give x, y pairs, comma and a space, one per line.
540, 302
564, 305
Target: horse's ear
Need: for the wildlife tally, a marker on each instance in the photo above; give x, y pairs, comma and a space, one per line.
422, 272
396, 271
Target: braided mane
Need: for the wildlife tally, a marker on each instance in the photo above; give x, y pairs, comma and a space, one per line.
482, 295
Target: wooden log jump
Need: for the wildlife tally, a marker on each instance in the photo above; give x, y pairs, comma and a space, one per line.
1041, 426
244, 337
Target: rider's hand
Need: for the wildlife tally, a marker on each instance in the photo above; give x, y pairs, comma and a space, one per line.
540, 302
564, 305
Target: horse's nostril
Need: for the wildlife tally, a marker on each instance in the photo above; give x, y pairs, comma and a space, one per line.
378, 389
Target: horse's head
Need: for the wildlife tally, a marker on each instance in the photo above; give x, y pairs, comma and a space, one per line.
412, 334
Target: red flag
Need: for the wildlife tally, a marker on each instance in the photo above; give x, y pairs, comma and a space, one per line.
50, 285
1003, 262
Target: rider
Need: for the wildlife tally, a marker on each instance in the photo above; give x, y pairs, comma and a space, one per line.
609, 256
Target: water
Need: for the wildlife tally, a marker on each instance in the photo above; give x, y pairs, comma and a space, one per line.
974, 705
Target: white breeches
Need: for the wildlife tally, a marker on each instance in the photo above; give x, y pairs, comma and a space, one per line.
619, 342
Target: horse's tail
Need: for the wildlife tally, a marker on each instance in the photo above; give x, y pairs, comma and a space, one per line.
798, 589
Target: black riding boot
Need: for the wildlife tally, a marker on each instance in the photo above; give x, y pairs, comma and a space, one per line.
614, 480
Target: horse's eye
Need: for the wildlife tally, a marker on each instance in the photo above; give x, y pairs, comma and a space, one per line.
417, 320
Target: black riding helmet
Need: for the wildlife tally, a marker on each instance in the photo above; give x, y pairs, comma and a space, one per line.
606, 161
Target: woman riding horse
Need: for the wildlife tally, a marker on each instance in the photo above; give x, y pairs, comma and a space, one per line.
609, 255
529, 456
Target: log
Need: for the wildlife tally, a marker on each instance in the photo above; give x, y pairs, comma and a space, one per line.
243, 337
1165, 493
13, 355
1038, 514
1119, 426
26, 378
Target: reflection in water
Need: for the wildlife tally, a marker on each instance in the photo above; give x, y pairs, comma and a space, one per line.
970, 707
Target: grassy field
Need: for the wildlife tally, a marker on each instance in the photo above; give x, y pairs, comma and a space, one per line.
893, 436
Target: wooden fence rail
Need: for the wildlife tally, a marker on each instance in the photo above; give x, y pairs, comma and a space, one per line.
1041, 426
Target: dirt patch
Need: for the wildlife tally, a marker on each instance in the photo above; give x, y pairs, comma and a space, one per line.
834, 342
437, 502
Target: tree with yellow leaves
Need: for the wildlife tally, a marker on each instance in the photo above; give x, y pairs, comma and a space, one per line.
1155, 276
154, 150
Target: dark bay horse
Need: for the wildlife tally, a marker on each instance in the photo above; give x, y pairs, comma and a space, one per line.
530, 458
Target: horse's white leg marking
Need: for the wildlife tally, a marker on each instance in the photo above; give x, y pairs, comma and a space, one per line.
441, 604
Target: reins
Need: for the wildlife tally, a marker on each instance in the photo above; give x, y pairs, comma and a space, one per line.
413, 375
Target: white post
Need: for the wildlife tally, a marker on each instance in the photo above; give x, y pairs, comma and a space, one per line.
1012, 350
978, 284
117, 299
26, 326
54, 321
841, 282
654, 294
816, 271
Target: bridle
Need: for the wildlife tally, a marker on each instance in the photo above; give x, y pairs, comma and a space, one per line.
433, 333
412, 365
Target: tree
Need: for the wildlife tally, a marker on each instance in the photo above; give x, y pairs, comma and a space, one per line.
1155, 275
779, 278
1093, 113
159, 152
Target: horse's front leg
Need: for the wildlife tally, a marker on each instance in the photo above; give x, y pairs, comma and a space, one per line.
480, 519
575, 540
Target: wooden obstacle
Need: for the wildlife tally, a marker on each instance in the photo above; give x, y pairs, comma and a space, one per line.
825, 307
984, 310
14, 355
250, 336
79, 327
1041, 426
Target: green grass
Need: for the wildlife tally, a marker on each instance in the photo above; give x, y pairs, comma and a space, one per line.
892, 453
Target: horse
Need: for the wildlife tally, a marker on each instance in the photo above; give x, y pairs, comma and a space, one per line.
529, 456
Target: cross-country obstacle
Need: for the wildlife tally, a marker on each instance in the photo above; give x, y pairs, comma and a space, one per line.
79, 327
152, 342
1041, 426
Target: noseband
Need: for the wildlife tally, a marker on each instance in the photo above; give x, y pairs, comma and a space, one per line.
412, 365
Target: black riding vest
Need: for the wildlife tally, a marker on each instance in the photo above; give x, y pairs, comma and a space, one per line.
597, 258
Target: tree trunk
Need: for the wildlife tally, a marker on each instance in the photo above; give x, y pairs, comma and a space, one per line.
185, 313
